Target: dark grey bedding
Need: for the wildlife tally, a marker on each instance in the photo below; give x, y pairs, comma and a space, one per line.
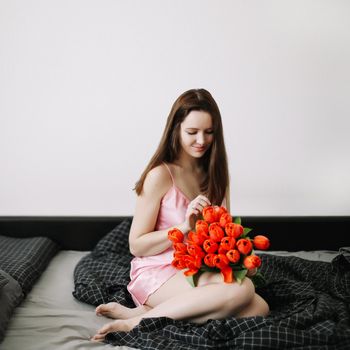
25, 259
10, 296
22, 261
309, 303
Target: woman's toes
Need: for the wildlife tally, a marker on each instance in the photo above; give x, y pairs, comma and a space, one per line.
109, 327
117, 326
109, 309
98, 337
99, 310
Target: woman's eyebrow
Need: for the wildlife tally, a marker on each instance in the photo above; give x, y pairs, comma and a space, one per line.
198, 129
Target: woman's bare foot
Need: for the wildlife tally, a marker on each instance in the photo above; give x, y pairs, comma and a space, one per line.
112, 310
115, 326
117, 311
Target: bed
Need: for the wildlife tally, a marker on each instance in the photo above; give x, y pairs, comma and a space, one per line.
54, 270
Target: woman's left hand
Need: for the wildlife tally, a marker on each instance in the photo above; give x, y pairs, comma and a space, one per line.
194, 208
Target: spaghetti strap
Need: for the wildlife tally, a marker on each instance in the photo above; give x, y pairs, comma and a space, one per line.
171, 175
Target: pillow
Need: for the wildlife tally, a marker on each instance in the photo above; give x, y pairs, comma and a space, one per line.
103, 275
342, 260
116, 241
10, 296
3, 280
25, 259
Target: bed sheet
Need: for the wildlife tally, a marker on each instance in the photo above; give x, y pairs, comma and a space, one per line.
50, 317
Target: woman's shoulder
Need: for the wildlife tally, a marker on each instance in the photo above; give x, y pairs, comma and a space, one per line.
158, 180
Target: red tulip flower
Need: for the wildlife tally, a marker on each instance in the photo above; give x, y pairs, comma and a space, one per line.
234, 230
219, 212
251, 262
244, 246
233, 255
227, 274
225, 219
180, 248
213, 213
175, 235
227, 243
209, 260
179, 262
221, 261
210, 246
196, 238
216, 233
202, 228
195, 250
261, 242
209, 214
217, 244
193, 264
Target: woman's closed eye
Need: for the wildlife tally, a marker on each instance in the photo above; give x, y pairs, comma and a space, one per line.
209, 132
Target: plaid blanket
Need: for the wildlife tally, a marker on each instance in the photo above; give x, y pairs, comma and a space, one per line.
309, 302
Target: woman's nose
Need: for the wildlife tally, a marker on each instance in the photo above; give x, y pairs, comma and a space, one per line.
200, 139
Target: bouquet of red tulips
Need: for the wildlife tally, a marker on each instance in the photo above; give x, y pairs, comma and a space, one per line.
218, 243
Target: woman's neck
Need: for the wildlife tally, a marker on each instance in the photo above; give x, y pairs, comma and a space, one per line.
188, 163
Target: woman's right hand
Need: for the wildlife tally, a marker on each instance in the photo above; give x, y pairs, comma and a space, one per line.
194, 208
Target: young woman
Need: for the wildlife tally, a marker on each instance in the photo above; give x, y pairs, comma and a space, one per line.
188, 172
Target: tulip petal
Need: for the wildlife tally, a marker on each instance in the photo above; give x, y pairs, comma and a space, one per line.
227, 274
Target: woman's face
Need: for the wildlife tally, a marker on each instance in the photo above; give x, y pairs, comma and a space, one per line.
196, 133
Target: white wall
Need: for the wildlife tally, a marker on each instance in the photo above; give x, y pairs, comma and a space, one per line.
86, 86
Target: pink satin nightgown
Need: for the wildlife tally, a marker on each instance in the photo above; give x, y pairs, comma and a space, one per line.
148, 273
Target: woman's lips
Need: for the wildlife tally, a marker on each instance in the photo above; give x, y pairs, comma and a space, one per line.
199, 149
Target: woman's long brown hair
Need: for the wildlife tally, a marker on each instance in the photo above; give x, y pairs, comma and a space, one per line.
214, 162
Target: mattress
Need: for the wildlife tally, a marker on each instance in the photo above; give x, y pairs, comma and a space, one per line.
50, 317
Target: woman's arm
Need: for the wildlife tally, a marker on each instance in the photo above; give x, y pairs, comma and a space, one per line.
143, 240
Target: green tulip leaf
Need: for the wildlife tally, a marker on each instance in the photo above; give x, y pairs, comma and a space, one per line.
246, 230
238, 221
190, 280
193, 280
240, 275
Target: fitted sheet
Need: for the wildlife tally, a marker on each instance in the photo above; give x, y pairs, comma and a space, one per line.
51, 318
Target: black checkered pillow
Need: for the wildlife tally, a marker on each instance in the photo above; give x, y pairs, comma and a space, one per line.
25, 259
103, 275
116, 241
10, 296
3, 281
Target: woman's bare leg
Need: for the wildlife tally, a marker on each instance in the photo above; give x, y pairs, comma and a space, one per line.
178, 300
257, 307
118, 311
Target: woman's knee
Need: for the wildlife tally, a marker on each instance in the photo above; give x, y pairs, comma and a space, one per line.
247, 289
258, 307
234, 292
241, 294
262, 306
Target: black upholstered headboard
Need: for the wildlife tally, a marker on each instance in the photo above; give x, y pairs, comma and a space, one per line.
290, 233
